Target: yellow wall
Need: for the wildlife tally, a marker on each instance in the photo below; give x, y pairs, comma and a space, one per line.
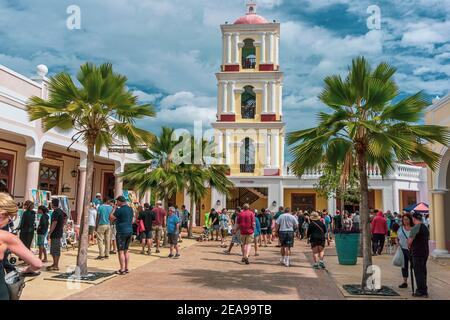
206, 201
379, 199
321, 203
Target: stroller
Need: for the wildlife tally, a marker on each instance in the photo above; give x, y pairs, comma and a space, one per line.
204, 236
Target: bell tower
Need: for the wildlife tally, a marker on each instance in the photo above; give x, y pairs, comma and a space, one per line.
249, 128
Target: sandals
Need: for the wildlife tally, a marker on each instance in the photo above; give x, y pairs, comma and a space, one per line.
52, 268
121, 272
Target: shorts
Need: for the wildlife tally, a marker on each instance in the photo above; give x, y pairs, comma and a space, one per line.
236, 238
286, 238
216, 227
317, 243
247, 239
147, 234
91, 230
123, 241
113, 232
172, 238
55, 247
41, 240
266, 231
158, 230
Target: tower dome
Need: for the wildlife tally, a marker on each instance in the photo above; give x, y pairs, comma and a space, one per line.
251, 17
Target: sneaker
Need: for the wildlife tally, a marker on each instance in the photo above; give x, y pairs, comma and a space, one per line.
322, 264
282, 260
403, 285
112, 252
287, 263
177, 256
99, 258
315, 266
170, 256
246, 261
157, 251
420, 295
243, 259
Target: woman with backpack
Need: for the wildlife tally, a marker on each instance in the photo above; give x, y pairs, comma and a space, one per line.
264, 221
316, 234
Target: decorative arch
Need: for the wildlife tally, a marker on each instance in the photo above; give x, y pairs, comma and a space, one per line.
248, 103
249, 54
440, 175
247, 156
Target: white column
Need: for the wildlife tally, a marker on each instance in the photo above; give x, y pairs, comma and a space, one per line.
271, 47
231, 97
263, 48
277, 50
331, 205
268, 138
118, 187
280, 99
275, 149
228, 51
438, 215
272, 97
224, 49
236, 48
282, 151
32, 175
224, 96
227, 148
388, 200
264, 97
219, 146
396, 199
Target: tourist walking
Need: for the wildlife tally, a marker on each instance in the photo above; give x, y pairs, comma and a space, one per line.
418, 245
245, 222
185, 217
337, 222
159, 223
224, 221
26, 225
402, 242
256, 234
301, 221
56, 233
42, 232
92, 223
286, 224
327, 222
147, 217
103, 230
264, 222
275, 218
316, 234
10, 243
173, 229
236, 238
356, 221
379, 232
122, 214
214, 223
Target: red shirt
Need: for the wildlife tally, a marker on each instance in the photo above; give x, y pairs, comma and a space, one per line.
379, 224
160, 213
246, 222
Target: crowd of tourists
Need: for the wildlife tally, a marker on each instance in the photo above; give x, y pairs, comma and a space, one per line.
250, 228
115, 224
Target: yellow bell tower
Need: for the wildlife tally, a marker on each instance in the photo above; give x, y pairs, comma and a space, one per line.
249, 128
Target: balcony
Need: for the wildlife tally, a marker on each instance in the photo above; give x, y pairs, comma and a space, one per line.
400, 172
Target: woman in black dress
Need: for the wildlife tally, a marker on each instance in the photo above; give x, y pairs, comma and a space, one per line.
27, 221
8, 241
316, 234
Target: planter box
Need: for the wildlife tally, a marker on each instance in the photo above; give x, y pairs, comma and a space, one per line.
347, 247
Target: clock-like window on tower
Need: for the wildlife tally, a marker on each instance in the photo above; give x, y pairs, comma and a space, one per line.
249, 54
248, 103
247, 156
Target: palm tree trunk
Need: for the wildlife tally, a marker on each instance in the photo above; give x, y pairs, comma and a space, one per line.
191, 219
364, 212
84, 228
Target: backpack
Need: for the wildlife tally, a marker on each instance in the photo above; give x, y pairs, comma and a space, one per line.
263, 221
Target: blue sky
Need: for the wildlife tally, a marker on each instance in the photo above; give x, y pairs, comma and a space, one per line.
170, 49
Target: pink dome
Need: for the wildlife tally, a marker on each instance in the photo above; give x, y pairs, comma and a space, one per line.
251, 19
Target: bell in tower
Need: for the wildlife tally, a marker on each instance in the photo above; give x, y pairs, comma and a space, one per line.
251, 7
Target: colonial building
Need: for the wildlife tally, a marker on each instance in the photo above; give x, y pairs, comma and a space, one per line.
250, 131
33, 160
439, 182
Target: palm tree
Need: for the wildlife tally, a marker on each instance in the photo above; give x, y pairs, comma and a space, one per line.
98, 112
162, 170
369, 124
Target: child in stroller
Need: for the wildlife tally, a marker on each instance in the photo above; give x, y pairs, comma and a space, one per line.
204, 236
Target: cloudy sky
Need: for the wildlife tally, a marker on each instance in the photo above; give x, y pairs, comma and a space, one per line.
170, 49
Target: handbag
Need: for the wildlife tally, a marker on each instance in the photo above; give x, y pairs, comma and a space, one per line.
15, 283
399, 259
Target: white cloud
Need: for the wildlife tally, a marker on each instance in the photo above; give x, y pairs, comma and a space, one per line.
426, 34
145, 97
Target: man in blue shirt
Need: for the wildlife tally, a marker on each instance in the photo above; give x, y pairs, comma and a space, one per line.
122, 214
173, 229
103, 230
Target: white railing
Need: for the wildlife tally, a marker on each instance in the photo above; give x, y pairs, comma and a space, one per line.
401, 171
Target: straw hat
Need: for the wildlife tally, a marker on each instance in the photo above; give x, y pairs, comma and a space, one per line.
314, 216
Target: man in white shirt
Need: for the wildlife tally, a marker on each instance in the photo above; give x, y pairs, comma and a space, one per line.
92, 223
286, 225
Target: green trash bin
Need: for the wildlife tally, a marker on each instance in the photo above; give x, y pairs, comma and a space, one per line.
347, 245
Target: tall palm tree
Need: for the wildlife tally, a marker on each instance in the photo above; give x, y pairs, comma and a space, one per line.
368, 120
99, 111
